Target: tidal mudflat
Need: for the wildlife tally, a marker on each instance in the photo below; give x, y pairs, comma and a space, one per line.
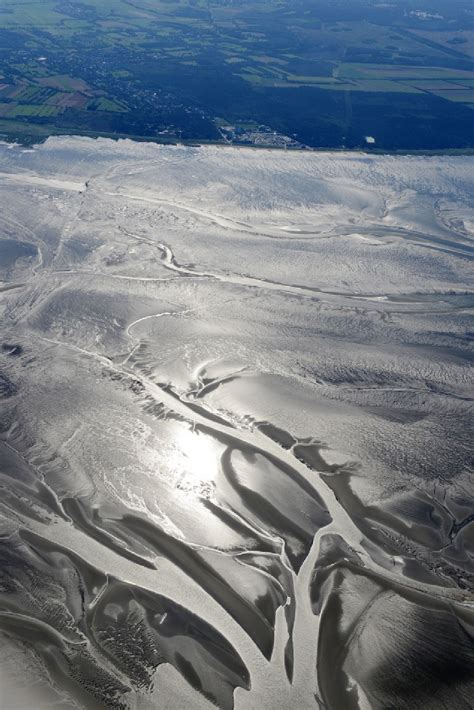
235, 433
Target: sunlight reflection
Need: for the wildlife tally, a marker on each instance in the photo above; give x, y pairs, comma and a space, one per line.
195, 458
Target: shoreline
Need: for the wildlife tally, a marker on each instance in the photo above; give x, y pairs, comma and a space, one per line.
29, 140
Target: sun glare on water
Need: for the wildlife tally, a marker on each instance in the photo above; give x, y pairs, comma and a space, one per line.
195, 458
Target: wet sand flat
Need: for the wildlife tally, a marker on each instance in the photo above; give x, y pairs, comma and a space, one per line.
236, 429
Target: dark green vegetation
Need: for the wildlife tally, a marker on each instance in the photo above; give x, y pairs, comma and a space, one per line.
326, 74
